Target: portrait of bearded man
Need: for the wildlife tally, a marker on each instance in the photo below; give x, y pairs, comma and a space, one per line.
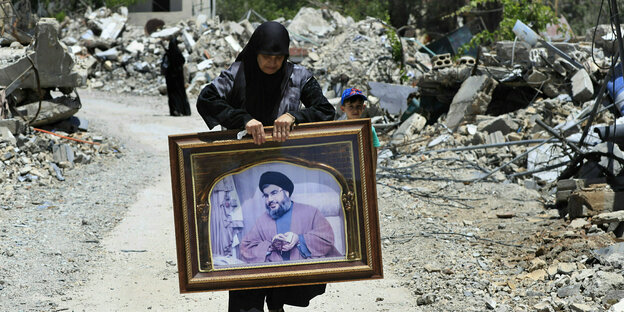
287, 230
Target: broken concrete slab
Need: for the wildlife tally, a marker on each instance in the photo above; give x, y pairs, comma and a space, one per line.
51, 111
50, 56
236, 28
592, 201
392, 97
582, 86
166, 33
7, 136
518, 51
16, 126
408, 129
609, 217
496, 137
310, 22
135, 47
189, 42
233, 43
111, 26
205, 64
471, 99
611, 255
502, 123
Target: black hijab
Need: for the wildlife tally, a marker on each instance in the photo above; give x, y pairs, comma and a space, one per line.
263, 92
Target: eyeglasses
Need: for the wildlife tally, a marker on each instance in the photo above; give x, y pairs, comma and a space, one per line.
272, 193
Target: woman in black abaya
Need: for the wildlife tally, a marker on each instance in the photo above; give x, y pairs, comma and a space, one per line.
262, 88
173, 70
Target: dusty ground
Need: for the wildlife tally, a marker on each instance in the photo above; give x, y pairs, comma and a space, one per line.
106, 242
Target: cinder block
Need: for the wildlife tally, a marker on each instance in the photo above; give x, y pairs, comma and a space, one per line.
441, 61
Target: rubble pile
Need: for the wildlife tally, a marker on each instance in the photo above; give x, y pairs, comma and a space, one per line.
118, 56
521, 114
32, 155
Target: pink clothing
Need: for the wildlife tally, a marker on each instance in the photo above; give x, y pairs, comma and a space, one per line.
306, 220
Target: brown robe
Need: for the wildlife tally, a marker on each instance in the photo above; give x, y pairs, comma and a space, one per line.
306, 220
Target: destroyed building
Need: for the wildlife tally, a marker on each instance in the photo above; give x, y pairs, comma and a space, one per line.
540, 115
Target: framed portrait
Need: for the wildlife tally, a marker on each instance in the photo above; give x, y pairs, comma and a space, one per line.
298, 212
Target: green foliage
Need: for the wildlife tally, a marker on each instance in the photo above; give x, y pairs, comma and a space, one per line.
582, 14
531, 12
395, 43
360, 9
60, 16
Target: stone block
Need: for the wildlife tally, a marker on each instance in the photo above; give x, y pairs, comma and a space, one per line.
521, 52
441, 61
592, 201
16, 126
408, 129
63, 153
503, 124
473, 97
494, 138
582, 86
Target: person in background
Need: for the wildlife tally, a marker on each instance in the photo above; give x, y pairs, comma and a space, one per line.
262, 88
352, 104
172, 67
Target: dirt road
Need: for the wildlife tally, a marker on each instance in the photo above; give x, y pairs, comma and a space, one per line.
137, 269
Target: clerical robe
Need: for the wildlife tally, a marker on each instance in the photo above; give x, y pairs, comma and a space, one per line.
315, 233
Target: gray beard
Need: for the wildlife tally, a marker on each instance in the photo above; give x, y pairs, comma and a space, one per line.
277, 213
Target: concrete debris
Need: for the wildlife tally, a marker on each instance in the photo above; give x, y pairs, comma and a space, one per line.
582, 86
479, 113
50, 112
472, 98
408, 131
591, 201
310, 22
37, 157
7, 136
49, 55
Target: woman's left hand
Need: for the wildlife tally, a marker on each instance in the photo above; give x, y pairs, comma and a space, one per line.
282, 126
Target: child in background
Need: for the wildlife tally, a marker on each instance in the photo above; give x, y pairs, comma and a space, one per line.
352, 104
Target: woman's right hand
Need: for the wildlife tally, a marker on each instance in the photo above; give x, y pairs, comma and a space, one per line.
256, 130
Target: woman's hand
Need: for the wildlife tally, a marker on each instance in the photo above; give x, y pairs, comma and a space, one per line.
282, 126
256, 130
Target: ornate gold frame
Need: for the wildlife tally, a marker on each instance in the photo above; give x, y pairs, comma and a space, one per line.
343, 149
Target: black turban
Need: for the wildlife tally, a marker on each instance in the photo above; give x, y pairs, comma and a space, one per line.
276, 178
